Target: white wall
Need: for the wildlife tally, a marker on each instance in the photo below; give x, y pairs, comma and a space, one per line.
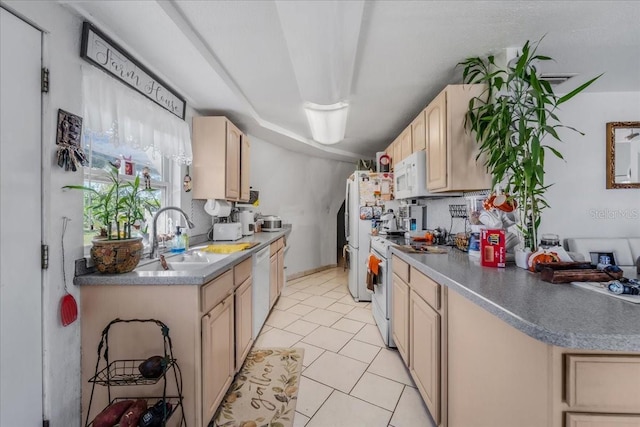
581, 206
306, 192
61, 345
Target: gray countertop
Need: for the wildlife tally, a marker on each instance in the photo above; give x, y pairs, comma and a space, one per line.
558, 314
192, 277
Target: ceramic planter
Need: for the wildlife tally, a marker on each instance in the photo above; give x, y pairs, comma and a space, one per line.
522, 258
116, 256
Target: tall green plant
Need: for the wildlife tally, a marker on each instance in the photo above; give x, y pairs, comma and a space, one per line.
120, 203
511, 121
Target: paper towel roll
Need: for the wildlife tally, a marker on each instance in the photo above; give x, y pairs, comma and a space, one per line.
215, 207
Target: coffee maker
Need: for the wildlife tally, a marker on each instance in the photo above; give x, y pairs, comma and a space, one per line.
389, 223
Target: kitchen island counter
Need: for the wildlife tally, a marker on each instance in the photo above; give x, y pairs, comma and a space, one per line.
557, 314
200, 276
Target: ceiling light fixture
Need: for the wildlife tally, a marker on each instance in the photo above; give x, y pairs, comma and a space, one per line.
328, 123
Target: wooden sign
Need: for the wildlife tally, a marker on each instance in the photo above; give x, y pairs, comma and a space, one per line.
108, 56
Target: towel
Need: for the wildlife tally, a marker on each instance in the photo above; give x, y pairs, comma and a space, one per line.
373, 265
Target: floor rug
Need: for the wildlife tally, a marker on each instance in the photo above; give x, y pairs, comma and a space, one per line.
265, 391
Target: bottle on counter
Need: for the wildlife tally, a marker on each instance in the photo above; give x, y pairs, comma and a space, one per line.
178, 241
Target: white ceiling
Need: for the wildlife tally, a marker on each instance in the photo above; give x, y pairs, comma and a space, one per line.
258, 61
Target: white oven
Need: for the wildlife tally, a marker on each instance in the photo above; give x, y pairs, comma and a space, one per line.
381, 298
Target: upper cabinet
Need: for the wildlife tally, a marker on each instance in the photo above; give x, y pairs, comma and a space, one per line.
419, 132
220, 160
245, 167
406, 143
451, 150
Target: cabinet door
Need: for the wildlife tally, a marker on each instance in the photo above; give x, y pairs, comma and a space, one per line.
244, 321
234, 138
397, 151
424, 345
217, 356
602, 420
436, 135
280, 256
389, 152
245, 167
406, 142
400, 317
419, 133
273, 279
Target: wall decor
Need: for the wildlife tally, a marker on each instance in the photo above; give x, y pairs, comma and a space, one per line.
68, 139
623, 155
105, 54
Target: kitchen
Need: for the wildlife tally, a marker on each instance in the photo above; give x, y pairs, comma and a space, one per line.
313, 213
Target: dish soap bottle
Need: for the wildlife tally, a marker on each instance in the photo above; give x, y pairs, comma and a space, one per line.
178, 241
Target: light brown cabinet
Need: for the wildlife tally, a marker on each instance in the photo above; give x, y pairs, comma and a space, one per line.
424, 345
419, 132
451, 150
276, 270
217, 355
397, 151
400, 306
243, 321
406, 143
245, 168
210, 328
602, 420
220, 160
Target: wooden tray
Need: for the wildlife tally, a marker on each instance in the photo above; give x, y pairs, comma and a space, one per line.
578, 275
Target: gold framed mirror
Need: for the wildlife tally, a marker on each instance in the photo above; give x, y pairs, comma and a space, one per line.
623, 155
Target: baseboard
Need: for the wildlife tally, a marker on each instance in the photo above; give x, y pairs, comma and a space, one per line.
308, 272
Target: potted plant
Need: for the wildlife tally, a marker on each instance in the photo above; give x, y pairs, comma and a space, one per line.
511, 120
117, 208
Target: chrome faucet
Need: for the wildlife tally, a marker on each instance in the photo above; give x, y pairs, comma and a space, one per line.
154, 242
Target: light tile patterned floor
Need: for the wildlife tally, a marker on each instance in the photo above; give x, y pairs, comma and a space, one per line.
349, 378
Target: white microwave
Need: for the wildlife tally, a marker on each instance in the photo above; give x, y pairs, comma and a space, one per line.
410, 177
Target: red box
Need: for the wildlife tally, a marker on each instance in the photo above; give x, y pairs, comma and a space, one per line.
492, 250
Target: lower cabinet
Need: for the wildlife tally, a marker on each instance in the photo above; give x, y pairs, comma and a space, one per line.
218, 355
424, 345
400, 317
602, 420
244, 321
417, 328
210, 327
276, 271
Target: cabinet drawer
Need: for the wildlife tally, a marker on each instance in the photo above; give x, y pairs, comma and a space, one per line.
601, 382
280, 243
602, 420
273, 248
400, 267
241, 272
216, 290
426, 288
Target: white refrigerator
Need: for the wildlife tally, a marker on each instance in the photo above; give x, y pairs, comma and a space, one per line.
365, 191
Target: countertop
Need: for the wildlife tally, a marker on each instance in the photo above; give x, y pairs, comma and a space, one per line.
558, 314
192, 277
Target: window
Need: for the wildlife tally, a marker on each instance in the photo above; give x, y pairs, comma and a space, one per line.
120, 124
102, 151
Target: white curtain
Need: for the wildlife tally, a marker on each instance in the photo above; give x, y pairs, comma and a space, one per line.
130, 119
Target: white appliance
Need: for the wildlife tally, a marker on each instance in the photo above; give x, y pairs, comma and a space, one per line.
361, 190
227, 231
247, 221
410, 177
260, 289
381, 301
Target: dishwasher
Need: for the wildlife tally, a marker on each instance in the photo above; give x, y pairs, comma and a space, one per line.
260, 293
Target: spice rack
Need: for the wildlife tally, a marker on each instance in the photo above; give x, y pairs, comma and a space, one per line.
125, 372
